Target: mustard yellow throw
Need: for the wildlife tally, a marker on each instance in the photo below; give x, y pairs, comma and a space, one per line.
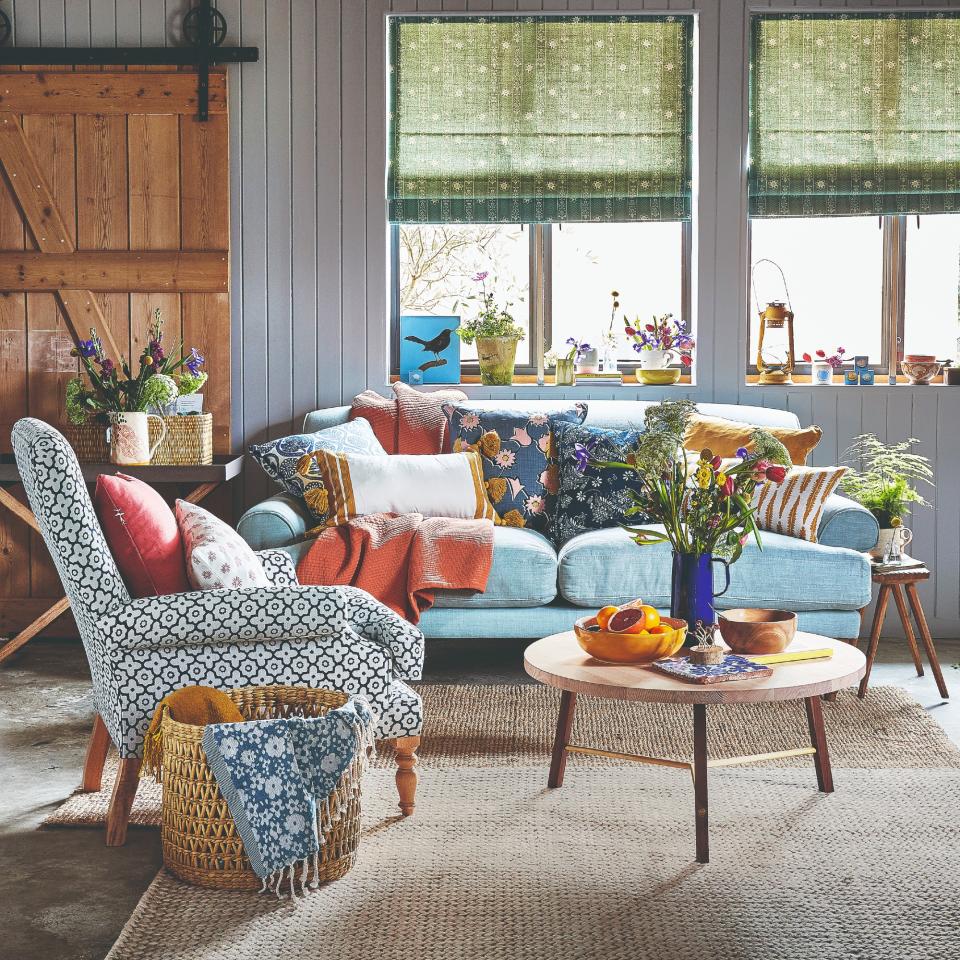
196, 705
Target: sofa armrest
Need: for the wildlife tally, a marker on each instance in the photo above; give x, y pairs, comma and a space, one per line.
844, 523
279, 568
276, 522
376, 621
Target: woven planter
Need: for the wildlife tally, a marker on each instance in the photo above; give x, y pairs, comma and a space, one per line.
198, 836
189, 441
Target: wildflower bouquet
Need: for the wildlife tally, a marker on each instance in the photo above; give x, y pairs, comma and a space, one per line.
705, 505
491, 320
663, 333
578, 349
161, 378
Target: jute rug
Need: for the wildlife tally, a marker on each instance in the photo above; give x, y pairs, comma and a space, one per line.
509, 725
493, 866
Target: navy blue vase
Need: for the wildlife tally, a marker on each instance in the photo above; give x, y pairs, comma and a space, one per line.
691, 590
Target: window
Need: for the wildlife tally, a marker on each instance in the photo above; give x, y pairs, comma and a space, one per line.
932, 286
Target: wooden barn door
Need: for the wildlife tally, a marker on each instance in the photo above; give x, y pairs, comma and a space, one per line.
115, 201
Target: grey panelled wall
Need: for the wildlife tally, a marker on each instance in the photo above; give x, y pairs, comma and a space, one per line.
309, 243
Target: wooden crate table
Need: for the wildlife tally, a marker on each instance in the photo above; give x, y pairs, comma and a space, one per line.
194, 483
559, 662
894, 582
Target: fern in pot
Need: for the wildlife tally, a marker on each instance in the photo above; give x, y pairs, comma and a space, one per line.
883, 477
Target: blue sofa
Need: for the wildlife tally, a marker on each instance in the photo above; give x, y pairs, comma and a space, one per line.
534, 589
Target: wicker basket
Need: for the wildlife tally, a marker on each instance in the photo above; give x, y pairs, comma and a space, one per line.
199, 839
189, 441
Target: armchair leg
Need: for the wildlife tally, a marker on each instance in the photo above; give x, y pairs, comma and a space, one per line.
406, 758
96, 757
124, 791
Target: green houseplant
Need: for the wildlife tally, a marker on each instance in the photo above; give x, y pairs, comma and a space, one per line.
496, 335
883, 477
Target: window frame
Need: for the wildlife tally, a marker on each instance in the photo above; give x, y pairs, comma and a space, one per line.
894, 259
540, 297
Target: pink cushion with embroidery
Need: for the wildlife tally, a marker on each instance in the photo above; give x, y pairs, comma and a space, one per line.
142, 534
218, 558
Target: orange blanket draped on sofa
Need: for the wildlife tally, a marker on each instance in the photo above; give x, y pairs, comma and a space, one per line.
402, 560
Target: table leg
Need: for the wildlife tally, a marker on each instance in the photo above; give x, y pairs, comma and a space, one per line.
878, 615
700, 781
558, 763
818, 739
927, 639
907, 628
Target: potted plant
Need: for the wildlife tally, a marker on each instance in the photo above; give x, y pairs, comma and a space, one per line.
566, 362
705, 505
883, 477
823, 367
496, 334
661, 342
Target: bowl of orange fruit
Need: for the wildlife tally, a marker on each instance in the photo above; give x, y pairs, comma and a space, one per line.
632, 633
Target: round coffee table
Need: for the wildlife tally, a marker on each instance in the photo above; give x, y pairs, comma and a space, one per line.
559, 662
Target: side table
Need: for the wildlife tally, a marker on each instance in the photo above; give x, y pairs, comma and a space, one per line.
195, 482
894, 582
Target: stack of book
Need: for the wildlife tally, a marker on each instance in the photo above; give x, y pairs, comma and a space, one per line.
614, 377
893, 566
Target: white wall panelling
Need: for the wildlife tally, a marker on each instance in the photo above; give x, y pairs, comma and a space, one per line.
309, 238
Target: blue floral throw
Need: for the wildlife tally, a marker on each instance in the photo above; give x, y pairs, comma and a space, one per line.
280, 777
517, 450
590, 497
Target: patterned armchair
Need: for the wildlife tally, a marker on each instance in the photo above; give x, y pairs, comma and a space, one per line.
141, 650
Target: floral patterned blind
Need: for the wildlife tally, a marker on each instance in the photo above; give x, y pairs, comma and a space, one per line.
540, 119
855, 114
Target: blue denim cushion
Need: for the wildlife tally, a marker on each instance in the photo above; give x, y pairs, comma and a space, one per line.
595, 497
517, 450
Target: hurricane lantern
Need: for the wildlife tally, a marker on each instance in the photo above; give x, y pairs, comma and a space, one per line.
775, 355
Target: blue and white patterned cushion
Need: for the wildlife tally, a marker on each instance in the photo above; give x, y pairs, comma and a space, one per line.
279, 458
597, 497
517, 450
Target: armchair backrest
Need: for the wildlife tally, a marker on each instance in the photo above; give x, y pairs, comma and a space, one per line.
59, 499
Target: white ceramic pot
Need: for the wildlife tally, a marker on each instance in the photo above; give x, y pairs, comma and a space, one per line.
822, 373
656, 359
129, 438
886, 540
589, 362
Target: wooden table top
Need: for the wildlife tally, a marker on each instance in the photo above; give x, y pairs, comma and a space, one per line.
224, 467
559, 662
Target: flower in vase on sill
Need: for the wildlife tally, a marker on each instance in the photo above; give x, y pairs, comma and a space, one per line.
820, 356
665, 334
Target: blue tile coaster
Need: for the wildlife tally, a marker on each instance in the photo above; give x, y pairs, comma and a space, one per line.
733, 667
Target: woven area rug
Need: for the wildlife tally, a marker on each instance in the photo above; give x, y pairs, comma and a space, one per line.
508, 725
493, 866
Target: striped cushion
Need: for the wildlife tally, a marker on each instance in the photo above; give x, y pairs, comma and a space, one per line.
439, 485
793, 507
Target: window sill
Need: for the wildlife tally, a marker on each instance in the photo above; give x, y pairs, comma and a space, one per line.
803, 382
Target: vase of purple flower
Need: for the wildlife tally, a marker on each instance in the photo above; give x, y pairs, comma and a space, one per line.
660, 343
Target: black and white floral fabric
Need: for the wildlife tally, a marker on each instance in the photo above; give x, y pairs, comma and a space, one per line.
141, 650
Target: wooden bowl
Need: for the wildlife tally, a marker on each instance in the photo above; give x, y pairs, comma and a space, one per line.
757, 631
610, 647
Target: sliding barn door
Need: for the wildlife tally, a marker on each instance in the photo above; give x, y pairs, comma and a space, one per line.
114, 201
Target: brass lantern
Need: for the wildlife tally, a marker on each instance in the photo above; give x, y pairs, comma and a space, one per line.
775, 356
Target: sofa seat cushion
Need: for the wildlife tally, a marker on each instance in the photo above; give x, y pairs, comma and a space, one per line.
523, 573
605, 566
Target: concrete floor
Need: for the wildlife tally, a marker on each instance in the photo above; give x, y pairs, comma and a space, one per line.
65, 896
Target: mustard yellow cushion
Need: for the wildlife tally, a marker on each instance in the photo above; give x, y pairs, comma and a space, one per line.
725, 437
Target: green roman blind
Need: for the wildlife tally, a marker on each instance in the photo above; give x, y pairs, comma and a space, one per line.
854, 114
539, 118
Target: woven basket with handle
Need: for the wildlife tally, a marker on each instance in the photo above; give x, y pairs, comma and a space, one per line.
189, 441
199, 838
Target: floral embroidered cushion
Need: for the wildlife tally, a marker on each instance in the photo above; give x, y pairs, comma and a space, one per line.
591, 497
517, 451
279, 458
142, 534
218, 558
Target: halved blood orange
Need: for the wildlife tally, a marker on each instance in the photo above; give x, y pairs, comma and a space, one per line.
604, 614
627, 620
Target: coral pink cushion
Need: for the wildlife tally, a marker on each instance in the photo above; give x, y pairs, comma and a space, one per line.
421, 422
142, 534
381, 413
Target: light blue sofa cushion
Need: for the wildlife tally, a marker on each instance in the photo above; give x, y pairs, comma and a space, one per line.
532, 622
276, 522
327, 417
523, 573
605, 566
844, 523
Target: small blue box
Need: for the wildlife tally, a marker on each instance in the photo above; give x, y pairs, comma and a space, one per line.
850, 378
866, 377
861, 362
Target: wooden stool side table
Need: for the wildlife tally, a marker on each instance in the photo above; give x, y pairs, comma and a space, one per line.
894, 582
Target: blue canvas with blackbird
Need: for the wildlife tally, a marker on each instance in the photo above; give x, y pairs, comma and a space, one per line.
517, 449
591, 497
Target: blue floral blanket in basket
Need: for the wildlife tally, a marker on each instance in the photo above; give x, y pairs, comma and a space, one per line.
279, 777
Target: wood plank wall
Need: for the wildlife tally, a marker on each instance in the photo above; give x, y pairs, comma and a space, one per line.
309, 241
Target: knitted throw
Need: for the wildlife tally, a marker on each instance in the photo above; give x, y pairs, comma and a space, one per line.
279, 777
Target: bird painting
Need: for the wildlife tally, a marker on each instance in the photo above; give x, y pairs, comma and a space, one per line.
429, 348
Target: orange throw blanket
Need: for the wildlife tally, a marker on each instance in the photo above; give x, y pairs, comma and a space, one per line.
402, 560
